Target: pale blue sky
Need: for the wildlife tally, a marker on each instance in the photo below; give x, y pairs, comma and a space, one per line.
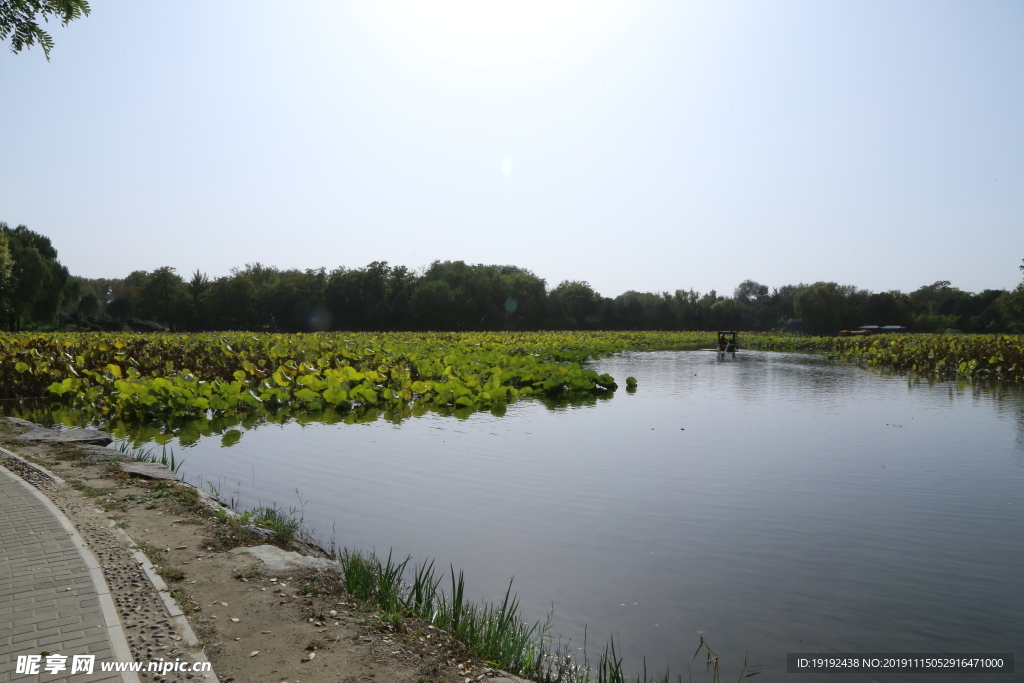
637, 146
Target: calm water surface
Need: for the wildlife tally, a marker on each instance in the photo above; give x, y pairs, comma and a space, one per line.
775, 502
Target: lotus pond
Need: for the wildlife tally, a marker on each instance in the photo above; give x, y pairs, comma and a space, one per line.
776, 501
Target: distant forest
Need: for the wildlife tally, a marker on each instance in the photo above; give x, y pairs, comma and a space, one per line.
37, 292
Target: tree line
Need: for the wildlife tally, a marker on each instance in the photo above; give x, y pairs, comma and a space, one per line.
36, 292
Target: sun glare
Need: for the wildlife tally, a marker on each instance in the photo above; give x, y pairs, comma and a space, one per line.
456, 40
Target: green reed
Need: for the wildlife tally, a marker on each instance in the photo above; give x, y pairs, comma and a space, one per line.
495, 633
165, 458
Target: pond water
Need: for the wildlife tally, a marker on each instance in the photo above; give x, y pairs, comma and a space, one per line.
775, 502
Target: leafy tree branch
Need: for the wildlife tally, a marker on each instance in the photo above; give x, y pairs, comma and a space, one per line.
19, 20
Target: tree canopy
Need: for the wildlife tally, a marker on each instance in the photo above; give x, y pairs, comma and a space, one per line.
33, 283
37, 292
19, 20
821, 307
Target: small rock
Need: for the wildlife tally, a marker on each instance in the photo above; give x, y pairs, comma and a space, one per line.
149, 470
85, 436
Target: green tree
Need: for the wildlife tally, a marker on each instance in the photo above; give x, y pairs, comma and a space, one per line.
821, 307
631, 309
646, 311
728, 314
452, 295
297, 301
434, 306
198, 284
689, 312
929, 298
19, 19
748, 291
264, 281
358, 298
231, 304
576, 305
401, 286
519, 296
38, 284
88, 305
164, 297
120, 309
1011, 305
885, 308
6, 274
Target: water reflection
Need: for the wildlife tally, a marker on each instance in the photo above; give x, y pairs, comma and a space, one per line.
187, 431
777, 502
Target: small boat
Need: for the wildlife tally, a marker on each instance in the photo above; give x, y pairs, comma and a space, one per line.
726, 343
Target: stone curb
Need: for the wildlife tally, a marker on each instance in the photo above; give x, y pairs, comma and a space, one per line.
96, 573
32, 466
177, 616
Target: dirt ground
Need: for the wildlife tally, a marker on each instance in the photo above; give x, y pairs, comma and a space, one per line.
252, 624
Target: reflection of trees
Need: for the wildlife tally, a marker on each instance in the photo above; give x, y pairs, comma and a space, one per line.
770, 376
1006, 398
1019, 443
189, 430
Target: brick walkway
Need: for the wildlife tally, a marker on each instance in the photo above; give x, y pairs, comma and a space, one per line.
49, 599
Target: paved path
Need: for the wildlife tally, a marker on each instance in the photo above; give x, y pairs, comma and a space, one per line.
53, 597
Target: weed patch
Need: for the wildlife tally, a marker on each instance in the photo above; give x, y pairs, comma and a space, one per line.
251, 572
185, 601
171, 573
89, 491
153, 552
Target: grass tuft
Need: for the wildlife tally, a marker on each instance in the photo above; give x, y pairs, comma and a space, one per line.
171, 573
166, 456
153, 552
90, 491
251, 572
495, 633
186, 602
285, 525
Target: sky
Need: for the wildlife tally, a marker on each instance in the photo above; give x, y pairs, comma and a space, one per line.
637, 146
